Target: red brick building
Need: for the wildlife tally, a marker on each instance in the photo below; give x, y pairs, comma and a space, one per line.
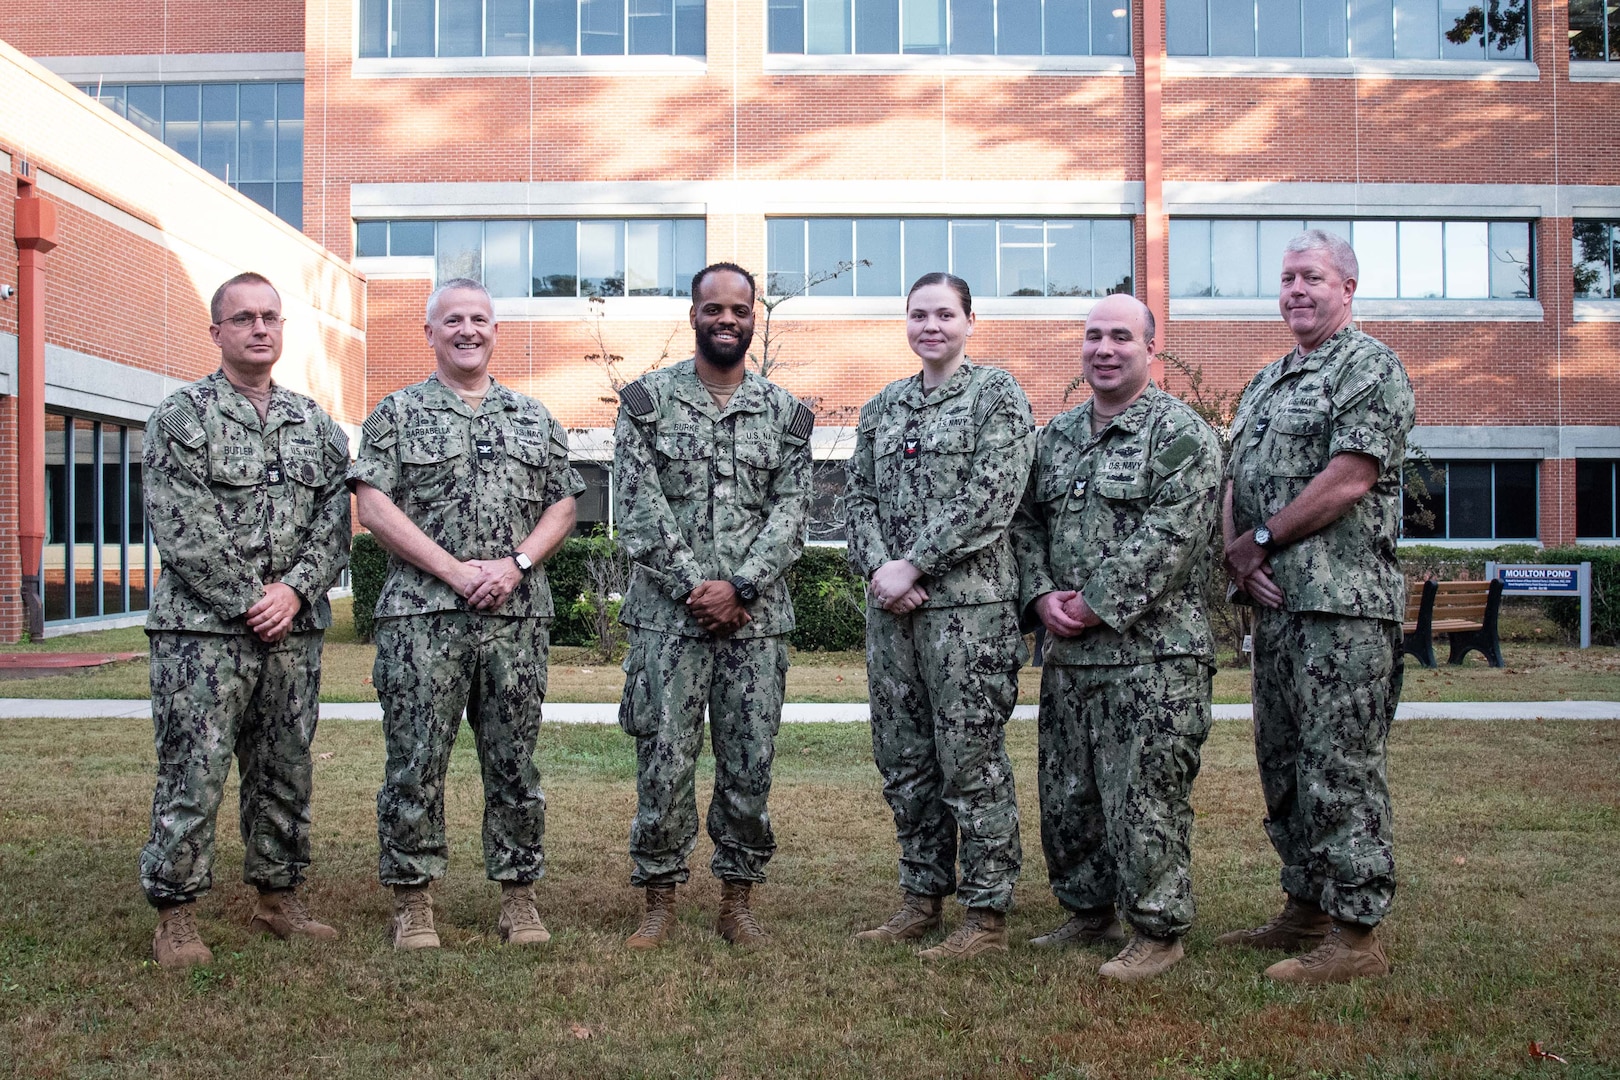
583, 156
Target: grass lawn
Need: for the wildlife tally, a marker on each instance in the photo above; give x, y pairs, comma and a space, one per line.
1538, 669
1504, 933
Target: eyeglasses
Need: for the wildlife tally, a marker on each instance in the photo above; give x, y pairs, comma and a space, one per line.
245, 320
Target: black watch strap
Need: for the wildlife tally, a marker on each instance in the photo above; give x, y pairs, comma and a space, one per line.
746, 590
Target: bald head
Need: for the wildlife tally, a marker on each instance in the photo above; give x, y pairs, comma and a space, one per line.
1117, 349
1127, 307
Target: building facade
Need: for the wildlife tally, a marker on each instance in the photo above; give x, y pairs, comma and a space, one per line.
582, 157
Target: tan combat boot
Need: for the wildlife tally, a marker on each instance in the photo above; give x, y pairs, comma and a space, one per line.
1143, 958
520, 920
984, 930
177, 943
413, 918
1300, 925
916, 917
656, 920
737, 923
1093, 926
1349, 951
282, 913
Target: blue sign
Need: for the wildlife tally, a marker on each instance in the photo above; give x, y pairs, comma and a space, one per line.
1539, 579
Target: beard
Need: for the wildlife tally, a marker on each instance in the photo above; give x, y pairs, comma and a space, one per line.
724, 355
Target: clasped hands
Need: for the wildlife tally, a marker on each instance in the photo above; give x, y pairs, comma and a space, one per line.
717, 607
1065, 613
486, 584
894, 587
1249, 566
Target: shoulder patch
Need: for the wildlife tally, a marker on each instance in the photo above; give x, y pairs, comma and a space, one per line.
377, 427
183, 426
803, 422
337, 443
638, 400
1176, 454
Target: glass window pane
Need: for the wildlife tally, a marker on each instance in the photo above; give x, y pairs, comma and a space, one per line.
652, 27
1279, 27
146, 109
1468, 260
373, 27
973, 255
1423, 494
1113, 259
786, 26
262, 193
182, 130
256, 150
556, 254
506, 28
1231, 27
601, 31
1186, 27
691, 28
1591, 260
1068, 258
649, 258
1422, 268
112, 97
460, 250
1274, 236
1462, 25
601, 258
1417, 29
827, 29
370, 239
1374, 244
461, 27
1110, 28
290, 131
922, 26
290, 203
1325, 30
1189, 257
1372, 28
1067, 31
1472, 517
1510, 29
877, 242
1336, 227
784, 256
1586, 29
1510, 260
1516, 508
413, 28
926, 247
877, 26
1023, 258
1018, 27
1234, 246
973, 27
1594, 500
219, 130
1614, 31
691, 253
829, 248
506, 258
410, 238
556, 26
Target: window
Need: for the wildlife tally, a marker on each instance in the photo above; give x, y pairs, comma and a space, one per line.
97, 550
1594, 30
400, 28
1007, 257
592, 507
1395, 29
1597, 258
1409, 260
1597, 500
1471, 500
250, 135
550, 257
954, 27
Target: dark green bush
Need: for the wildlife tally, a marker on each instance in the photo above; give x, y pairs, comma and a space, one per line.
1605, 592
828, 602
566, 572
368, 566
1424, 561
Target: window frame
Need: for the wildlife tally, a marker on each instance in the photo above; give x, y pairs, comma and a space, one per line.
1347, 28
1446, 539
387, 63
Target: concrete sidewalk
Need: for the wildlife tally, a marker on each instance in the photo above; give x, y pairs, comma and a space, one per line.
608, 712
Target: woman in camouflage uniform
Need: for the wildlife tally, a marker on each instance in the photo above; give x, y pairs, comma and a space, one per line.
939, 465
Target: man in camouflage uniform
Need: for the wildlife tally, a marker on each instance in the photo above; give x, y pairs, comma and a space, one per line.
245, 498
1311, 518
467, 485
1113, 531
933, 483
711, 468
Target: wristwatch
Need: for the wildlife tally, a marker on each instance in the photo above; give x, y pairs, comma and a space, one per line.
524, 563
1262, 537
746, 591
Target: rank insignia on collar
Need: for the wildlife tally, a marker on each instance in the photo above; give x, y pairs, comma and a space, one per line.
1261, 425
273, 473
1079, 488
486, 449
912, 447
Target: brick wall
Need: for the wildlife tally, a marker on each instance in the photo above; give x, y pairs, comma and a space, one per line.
141, 27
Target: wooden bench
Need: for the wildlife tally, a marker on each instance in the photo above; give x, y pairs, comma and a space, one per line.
1466, 611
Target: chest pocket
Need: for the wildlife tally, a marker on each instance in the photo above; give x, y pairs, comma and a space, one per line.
1299, 440
947, 450
758, 458
305, 461
1121, 488
233, 471
431, 463
684, 465
527, 456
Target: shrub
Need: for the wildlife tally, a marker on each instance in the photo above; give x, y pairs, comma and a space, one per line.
1605, 592
828, 602
565, 570
1423, 561
368, 567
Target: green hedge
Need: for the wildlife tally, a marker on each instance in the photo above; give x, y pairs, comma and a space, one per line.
368, 566
566, 572
1424, 561
1605, 592
828, 602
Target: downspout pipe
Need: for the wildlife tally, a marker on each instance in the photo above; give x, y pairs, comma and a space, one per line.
36, 235
1158, 276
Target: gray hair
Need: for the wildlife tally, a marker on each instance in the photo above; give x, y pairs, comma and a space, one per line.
456, 285
1339, 252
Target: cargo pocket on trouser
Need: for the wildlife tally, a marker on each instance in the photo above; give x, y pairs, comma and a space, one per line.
995, 667
638, 707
